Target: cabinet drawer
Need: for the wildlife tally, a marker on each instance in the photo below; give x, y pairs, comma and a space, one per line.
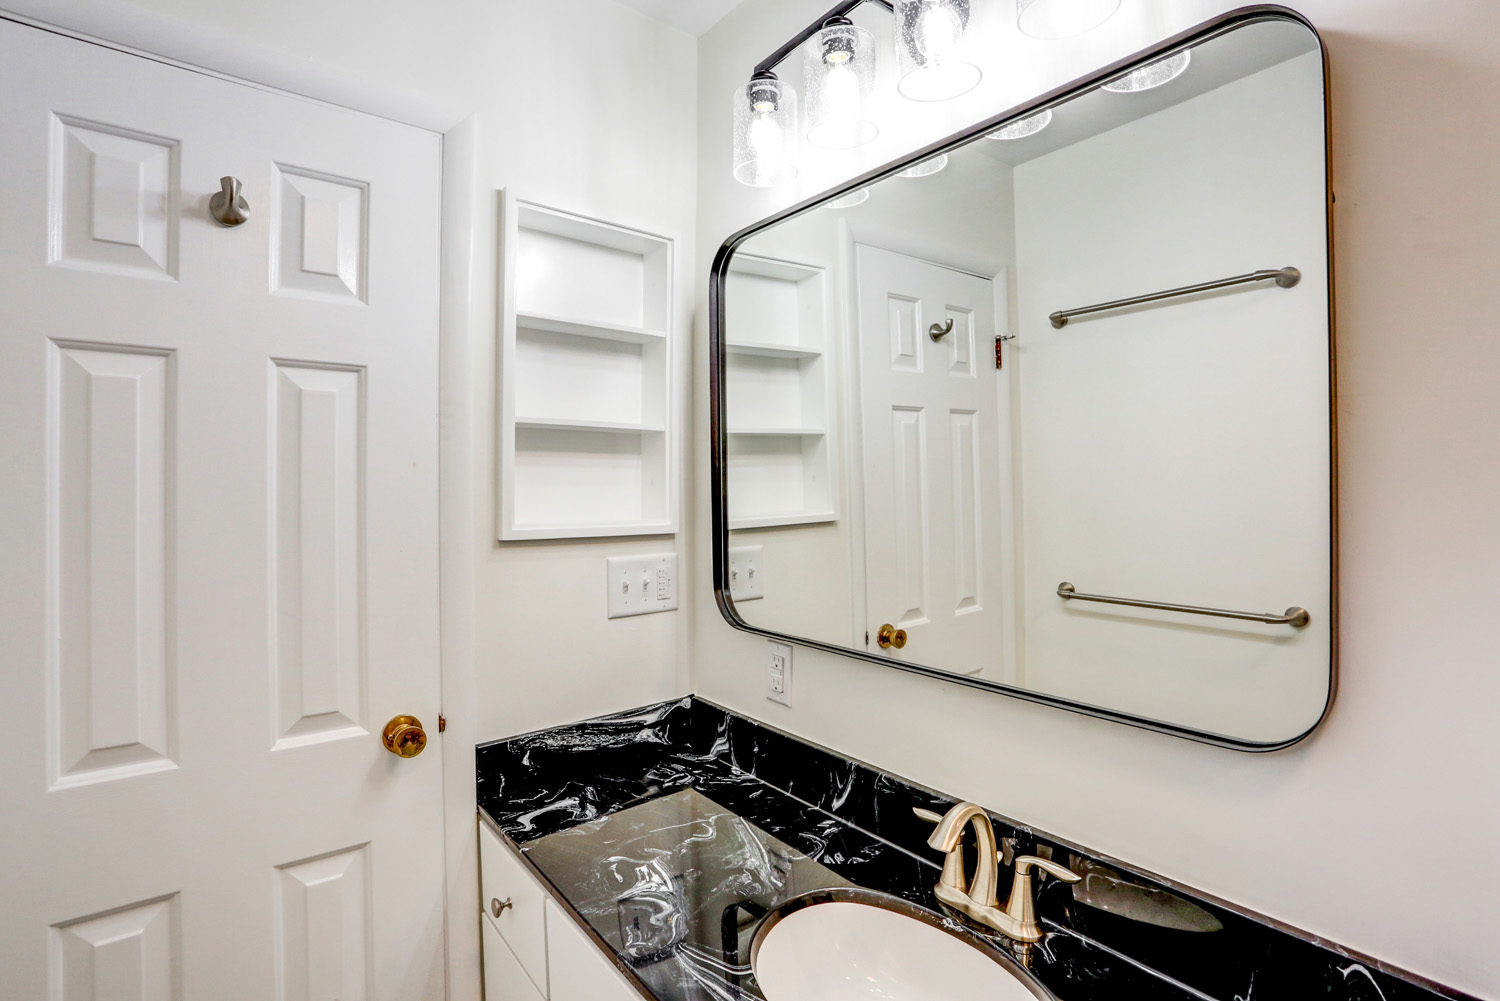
502, 877
579, 970
504, 980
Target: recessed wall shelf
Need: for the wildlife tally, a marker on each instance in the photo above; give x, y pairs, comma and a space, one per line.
797, 432
781, 456
605, 331
568, 425
772, 350
587, 446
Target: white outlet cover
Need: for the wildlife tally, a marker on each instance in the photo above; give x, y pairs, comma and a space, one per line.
640, 585
779, 673
747, 573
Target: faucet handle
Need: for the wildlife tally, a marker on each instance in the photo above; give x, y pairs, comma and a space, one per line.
931, 816
1062, 872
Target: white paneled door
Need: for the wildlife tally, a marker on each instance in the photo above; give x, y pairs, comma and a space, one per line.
218, 539
934, 436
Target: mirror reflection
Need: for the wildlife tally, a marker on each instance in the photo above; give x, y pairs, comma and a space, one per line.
943, 453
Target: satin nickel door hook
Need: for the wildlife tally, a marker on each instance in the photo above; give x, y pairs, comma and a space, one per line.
940, 330
229, 207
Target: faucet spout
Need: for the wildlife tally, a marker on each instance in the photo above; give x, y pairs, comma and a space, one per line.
948, 837
1018, 920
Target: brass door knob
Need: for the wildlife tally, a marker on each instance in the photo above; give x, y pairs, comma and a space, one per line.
404, 736
889, 636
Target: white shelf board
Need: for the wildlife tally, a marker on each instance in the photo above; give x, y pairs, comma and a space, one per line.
587, 328
529, 530
769, 267
780, 432
565, 424
771, 350
776, 520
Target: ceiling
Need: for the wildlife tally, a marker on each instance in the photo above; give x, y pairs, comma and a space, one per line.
692, 16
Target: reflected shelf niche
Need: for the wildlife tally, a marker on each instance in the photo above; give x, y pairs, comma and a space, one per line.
781, 447
587, 447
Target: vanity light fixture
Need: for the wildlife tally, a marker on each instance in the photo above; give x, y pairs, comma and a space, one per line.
1025, 127
765, 131
838, 76
1052, 19
929, 166
850, 200
1153, 75
928, 33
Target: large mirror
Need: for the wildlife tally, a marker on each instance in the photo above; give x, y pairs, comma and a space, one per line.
1047, 407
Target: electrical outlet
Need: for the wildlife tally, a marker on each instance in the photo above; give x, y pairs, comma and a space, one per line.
779, 675
639, 585
747, 578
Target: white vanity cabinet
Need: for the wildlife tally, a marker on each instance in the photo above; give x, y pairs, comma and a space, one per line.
533, 951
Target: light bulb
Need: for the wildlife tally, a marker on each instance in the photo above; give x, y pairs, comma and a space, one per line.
938, 32
841, 91
839, 77
765, 132
930, 47
766, 140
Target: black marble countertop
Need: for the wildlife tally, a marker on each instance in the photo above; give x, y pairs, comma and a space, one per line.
670, 831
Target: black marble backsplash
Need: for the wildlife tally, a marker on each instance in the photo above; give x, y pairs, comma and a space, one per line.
1120, 933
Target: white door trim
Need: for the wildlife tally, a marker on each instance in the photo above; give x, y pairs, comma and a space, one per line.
463, 321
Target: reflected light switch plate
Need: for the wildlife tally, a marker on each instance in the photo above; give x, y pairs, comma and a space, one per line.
746, 573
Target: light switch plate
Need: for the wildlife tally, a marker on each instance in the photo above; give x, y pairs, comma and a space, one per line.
779, 674
747, 578
639, 585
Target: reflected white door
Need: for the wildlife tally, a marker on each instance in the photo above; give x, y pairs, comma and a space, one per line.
933, 430
218, 544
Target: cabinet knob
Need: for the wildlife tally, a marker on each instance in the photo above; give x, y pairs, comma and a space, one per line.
404, 736
498, 906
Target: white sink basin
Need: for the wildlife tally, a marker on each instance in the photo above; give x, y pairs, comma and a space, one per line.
861, 950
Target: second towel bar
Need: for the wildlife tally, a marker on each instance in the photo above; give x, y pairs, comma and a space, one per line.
1284, 277
1295, 616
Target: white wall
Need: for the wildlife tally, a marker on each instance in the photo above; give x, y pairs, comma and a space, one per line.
1389, 808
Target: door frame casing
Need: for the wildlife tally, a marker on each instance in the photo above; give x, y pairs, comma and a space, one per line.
461, 319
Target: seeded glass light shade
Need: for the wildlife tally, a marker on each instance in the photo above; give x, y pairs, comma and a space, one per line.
928, 33
838, 77
1025, 127
1062, 18
930, 166
850, 200
1153, 75
765, 132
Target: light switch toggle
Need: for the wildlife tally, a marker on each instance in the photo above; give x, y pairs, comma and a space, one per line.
639, 585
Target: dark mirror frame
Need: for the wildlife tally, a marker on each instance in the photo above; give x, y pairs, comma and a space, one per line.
1212, 28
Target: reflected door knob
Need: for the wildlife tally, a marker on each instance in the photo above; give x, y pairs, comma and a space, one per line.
889, 636
404, 736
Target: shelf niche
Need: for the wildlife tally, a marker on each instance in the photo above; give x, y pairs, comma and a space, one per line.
781, 456
586, 429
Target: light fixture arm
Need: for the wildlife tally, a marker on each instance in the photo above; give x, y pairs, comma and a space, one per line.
841, 9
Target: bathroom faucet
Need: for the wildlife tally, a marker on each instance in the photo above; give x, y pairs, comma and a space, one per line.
979, 900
